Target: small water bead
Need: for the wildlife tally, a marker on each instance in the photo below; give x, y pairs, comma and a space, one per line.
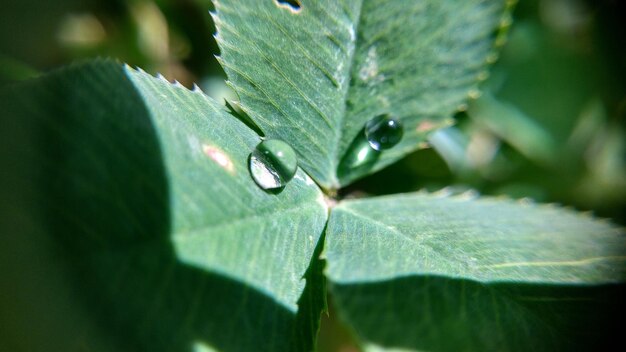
383, 132
273, 163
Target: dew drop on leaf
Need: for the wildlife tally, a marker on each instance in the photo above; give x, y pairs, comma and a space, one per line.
383, 132
273, 163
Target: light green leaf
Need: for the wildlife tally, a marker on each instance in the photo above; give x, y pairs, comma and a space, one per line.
141, 192
451, 144
315, 74
512, 125
436, 273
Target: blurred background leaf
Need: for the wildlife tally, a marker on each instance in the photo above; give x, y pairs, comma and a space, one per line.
562, 71
173, 37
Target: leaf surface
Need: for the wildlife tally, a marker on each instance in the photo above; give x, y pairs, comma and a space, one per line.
143, 188
426, 272
314, 74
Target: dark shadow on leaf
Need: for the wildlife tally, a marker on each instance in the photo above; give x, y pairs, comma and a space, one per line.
312, 302
241, 115
443, 314
100, 191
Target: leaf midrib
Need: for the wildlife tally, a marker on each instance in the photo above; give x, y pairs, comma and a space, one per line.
342, 116
403, 236
474, 274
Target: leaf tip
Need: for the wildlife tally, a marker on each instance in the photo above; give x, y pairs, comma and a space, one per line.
474, 93
482, 75
526, 201
492, 58
470, 194
196, 89
160, 77
442, 193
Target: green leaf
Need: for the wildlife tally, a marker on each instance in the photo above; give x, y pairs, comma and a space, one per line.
512, 125
313, 76
139, 192
436, 273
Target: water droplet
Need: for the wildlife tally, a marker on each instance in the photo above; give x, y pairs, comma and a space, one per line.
273, 163
383, 132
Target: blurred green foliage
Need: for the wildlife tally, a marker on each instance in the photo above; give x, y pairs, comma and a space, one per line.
173, 37
549, 124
